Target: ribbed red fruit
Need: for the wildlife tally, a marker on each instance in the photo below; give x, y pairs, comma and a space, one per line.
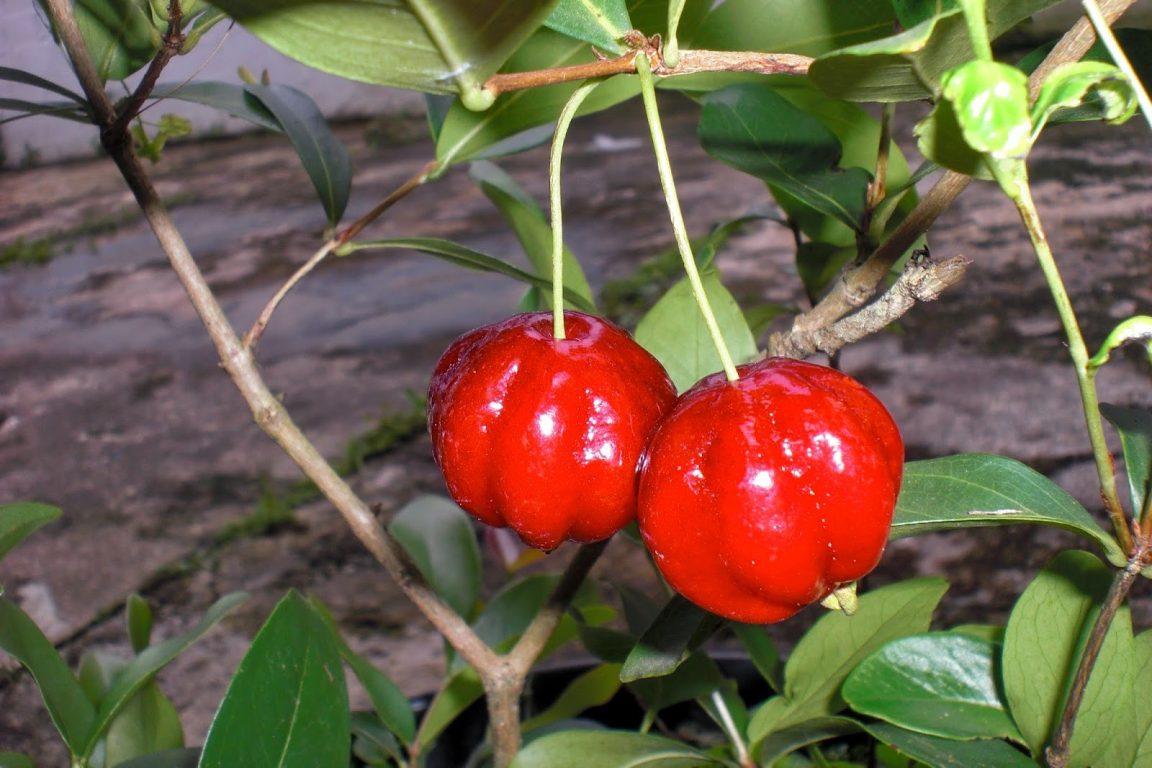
761, 496
544, 436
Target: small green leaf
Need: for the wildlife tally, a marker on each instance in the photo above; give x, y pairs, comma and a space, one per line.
389, 702
762, 650
457, 693
937, 751
675, 333
836, 643
23, 77
532, 229
1042, 646
230, 98
464, 256
169, 758
20, 520
595, 687
441, 540
755, 130
1135, 428
990, 101
786, 741
138, 614
608, 749
976, 489
147, 723
942, 684
15, 760
67, 703
324, 157
141, 669
599, 22
697, 676
60, 109
512, 609
679, 629
1084, 90
286, 705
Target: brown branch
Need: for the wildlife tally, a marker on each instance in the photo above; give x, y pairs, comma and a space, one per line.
171, 45
266, 408
918, 283
859, 284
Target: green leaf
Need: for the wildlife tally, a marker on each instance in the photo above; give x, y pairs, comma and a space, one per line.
608, 749
147, 723
591, 689
60, 109
142, 668
169, 758
457, 693
441, 540
599, 22
941, 684
227, 97
675, 333
836, 643
990, 101
1135, 428
323, 156
15, 760
755, 130
937, 751
1142, 681
512, 609
912, 12
786, 741
466, 257
531, 228
120, 35
389, 702
976, 489
1084, 90
762, 651
439, 46
68, 705
696, 677
138, 614
793, 26
679, 629
15, 75
286, 705
1042, 647
20, 520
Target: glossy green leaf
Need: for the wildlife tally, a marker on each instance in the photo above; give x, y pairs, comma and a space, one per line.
1042, 646
608, 749
230, 98
373, 744
976, 489
458, 692
836, 643
68, 705
169, 758
761, 649
1084, 90
286, 705
439, 537
388, 701
15, 760
907, 66
466, 134
697, 676
531, 227
599, 22
756, 130
141, 669
945, 753
990, 101
467, 257
787, 740
674, 331
1142, 681
678, 630
20, 520
942, 684
512, 609
940, 137
138, 614
323, 156
120, 35
793, 26
591, 689
1135, 428
439, 46
147, 723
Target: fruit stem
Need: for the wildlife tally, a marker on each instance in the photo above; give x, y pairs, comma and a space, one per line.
554, 201
668, 183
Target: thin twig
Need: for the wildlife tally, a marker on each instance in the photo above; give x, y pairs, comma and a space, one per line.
395, 196
257, 329
172, 43
267, 410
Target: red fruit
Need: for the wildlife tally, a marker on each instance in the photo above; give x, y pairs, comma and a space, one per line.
761, 496
545, 436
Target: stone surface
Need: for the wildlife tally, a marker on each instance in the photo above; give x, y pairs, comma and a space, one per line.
113, 407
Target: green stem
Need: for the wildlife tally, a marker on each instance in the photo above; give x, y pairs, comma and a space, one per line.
1013, 178
974, 15
679, 230
554, 200
1104, 32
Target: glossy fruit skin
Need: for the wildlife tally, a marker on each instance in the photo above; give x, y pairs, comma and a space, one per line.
545, 436
761, 496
